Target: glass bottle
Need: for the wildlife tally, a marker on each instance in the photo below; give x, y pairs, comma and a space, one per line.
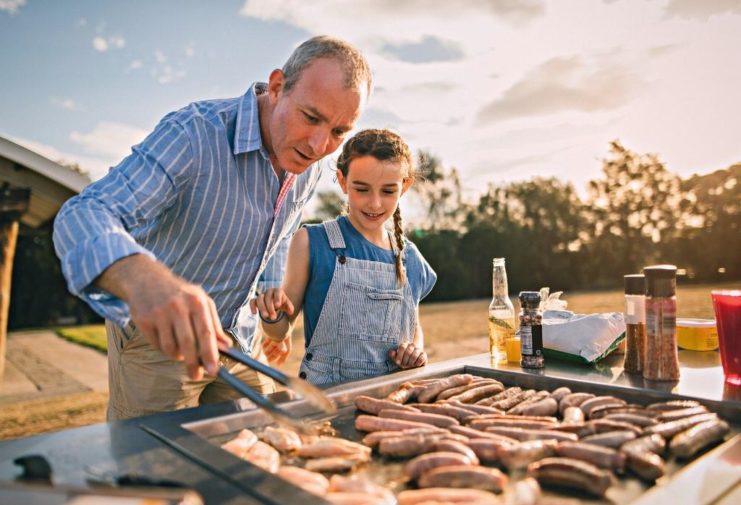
635, 322
662, 360
531, 330
501, 314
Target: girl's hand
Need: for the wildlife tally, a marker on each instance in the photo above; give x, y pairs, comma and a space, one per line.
408, 356
276, 352
271, 302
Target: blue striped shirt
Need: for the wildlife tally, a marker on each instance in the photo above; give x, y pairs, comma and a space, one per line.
198, 194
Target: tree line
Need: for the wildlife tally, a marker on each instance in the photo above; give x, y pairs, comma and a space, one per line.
636, 213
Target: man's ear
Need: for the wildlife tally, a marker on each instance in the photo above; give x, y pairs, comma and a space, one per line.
341, 179
275, 84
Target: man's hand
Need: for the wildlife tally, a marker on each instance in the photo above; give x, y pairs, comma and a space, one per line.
275, 351
408, 356
271, 302
177, 317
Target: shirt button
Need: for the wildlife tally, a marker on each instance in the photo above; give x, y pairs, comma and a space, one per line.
342, 259
309, 356
302, 375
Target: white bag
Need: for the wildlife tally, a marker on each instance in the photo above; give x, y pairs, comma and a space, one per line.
585, 337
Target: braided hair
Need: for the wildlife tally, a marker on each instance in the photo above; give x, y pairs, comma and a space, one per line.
383, 145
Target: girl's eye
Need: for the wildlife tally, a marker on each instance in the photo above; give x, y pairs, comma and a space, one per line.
360, 190
390, 191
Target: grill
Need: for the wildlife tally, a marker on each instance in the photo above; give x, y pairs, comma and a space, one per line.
198, 438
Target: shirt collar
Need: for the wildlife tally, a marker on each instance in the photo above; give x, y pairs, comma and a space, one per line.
247, 135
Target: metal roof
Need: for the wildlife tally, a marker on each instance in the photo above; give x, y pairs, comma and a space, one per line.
51, 184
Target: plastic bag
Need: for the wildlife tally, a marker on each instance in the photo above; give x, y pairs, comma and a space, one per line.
581, 337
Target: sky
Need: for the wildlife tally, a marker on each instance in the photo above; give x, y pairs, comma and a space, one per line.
502, 90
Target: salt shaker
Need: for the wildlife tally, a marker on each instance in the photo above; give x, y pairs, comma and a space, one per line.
531, 330
661, 359
635, 322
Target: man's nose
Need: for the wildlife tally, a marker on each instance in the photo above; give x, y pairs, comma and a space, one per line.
318, 141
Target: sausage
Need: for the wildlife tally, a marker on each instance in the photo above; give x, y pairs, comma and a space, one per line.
520, 407
481, 424
673, 405
572, 473
453, 391
507, 393
479, 392
479, 409
372, 439
544, 407
509, 402
599, 401
264, 456
612, 439
446, 409
519, 456
430, 391
449, 445
525, 434
472, 433
573, 400
691, 441
668, 430
312, 482
240, 444
673, 415
333, 464
646, 465
405, 393
373, 423
603, 457
356, 498
608, 410
573, 415
648, 443
332, 446
559, 393
486, 449
413, 445
374, 405
579, 429
635, 420
426, 462
604, 425
526, 492
420, 417
440, 495
464, 476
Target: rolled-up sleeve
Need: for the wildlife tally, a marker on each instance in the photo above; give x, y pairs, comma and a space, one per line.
94, 229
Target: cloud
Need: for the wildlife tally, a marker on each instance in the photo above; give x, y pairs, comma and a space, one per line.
113, 140
101, 44
11, 6
165, 73
563, 84
134, 65
428, 49
430, 86
702, 10
67, 104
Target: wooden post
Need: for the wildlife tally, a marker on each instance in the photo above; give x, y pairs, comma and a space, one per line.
13, 203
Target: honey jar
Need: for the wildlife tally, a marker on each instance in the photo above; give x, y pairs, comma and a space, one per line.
697, 334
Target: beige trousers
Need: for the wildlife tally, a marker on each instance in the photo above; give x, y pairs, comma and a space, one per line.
142, 380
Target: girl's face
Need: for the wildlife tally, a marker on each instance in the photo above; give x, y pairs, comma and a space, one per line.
373, 189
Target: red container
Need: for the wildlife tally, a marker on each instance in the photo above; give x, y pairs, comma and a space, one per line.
727, 305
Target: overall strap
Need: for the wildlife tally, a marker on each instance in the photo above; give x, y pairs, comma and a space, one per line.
334, 234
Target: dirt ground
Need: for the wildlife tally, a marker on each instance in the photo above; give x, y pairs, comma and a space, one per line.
452, 330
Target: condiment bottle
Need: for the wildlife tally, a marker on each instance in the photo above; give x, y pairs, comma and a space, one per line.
635, 322
661, 361
501, 313
531, 330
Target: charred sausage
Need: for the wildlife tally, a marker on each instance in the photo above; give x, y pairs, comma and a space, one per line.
612, 439
464, 476
374, 405
572, 473
420, 417
430, 391
691, 441
426, 462
603, 457
519, 456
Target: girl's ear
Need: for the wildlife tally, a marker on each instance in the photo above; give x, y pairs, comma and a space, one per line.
341, 179
405, 185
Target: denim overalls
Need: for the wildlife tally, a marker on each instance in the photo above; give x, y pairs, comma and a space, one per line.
365, 315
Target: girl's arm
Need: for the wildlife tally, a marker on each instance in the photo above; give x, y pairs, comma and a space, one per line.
289, 298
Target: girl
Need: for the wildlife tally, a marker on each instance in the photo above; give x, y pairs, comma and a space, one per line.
358, 285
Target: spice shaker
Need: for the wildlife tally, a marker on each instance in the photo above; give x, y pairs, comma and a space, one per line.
531, 330
661, 360
635, 322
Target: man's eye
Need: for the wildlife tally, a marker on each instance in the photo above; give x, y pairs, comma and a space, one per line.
339, 133
311, 119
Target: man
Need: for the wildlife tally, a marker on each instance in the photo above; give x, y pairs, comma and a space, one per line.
174, 241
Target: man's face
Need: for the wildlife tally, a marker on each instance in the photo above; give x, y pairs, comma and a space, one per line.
310, 120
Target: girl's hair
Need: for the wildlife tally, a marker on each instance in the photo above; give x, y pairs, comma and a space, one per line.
383, 145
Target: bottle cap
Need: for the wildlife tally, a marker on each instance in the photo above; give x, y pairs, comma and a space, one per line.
529, 299
635, 284
661, 280
498, 261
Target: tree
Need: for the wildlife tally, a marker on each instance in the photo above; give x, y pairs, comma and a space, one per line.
440, 193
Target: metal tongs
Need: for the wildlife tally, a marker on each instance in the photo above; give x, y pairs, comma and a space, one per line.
308, 392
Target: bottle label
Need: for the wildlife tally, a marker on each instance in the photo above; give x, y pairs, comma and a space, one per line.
537, 340
526, 340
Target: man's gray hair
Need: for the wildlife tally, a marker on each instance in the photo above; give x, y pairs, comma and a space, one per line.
354, 65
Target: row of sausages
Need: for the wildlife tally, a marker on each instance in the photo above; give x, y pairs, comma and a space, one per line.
562, 438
